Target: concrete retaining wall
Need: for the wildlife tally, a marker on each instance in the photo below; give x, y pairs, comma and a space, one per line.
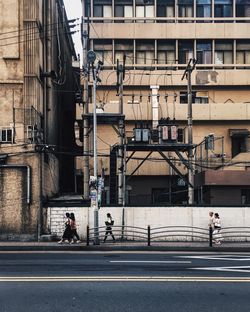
144, 216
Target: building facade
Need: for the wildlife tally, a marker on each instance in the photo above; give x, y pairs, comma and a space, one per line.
154, 40
37, 108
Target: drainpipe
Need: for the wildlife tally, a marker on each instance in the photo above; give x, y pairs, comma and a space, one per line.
28, 200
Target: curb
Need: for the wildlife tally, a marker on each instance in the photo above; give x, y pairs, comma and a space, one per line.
122, 248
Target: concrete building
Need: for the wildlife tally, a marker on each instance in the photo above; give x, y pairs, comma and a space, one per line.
158, 38
37, 109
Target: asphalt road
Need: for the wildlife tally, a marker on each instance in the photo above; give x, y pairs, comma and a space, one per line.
124, 281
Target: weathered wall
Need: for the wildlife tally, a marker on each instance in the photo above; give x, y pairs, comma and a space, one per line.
153, 216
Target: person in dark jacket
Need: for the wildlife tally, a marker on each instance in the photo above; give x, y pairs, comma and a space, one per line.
66, 237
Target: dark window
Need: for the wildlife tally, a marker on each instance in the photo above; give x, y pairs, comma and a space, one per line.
124, 8
203, 8
238, 145
243, 8
165, 8
245, 196
186, 51
102, 8
204, 51
6, 135
223, 8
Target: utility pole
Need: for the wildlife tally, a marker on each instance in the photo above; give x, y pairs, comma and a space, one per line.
85, 122
91, 56
188, 74
121, 164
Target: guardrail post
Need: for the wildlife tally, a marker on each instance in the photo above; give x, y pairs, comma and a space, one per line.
210, 236
87, 243
148, 235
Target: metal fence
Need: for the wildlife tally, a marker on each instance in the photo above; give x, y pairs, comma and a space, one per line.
171, 234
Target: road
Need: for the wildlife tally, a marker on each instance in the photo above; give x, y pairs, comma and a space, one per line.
124, 281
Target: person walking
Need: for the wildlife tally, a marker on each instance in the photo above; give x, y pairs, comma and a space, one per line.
211, 219
217, 228
73, 229
109, 222
66, 237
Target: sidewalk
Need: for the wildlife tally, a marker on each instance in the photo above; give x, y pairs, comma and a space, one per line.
125, 246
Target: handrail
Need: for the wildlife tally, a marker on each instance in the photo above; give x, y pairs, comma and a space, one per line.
163, 233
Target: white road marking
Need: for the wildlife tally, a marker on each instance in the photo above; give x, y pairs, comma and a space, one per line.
241, 269
219, 257
149, 261
122, 279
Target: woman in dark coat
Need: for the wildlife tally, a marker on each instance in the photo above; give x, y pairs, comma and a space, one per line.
67, 234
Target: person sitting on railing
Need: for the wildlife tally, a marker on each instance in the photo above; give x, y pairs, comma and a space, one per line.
109, 222
217, 229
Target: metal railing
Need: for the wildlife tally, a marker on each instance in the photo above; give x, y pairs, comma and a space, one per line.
170, 234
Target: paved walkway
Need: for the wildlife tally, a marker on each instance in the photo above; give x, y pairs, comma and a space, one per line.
116, 246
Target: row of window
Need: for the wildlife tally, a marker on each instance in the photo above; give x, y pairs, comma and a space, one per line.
173, 52
168, 8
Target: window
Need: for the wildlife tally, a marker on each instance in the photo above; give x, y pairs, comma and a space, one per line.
144, 9
203, 8
166, 8
204, 51
102, 8
166, 52
198, 97
185, 8
223, 52
6, 135
223, 8
245, 196
103, 50
242, 8
243, 52
124, 8
124, 47
186, 51
87, 8
145, 52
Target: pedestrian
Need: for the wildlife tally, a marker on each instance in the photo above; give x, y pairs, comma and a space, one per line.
66, 237
217, 228
73, 229
211, 219
109, 222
